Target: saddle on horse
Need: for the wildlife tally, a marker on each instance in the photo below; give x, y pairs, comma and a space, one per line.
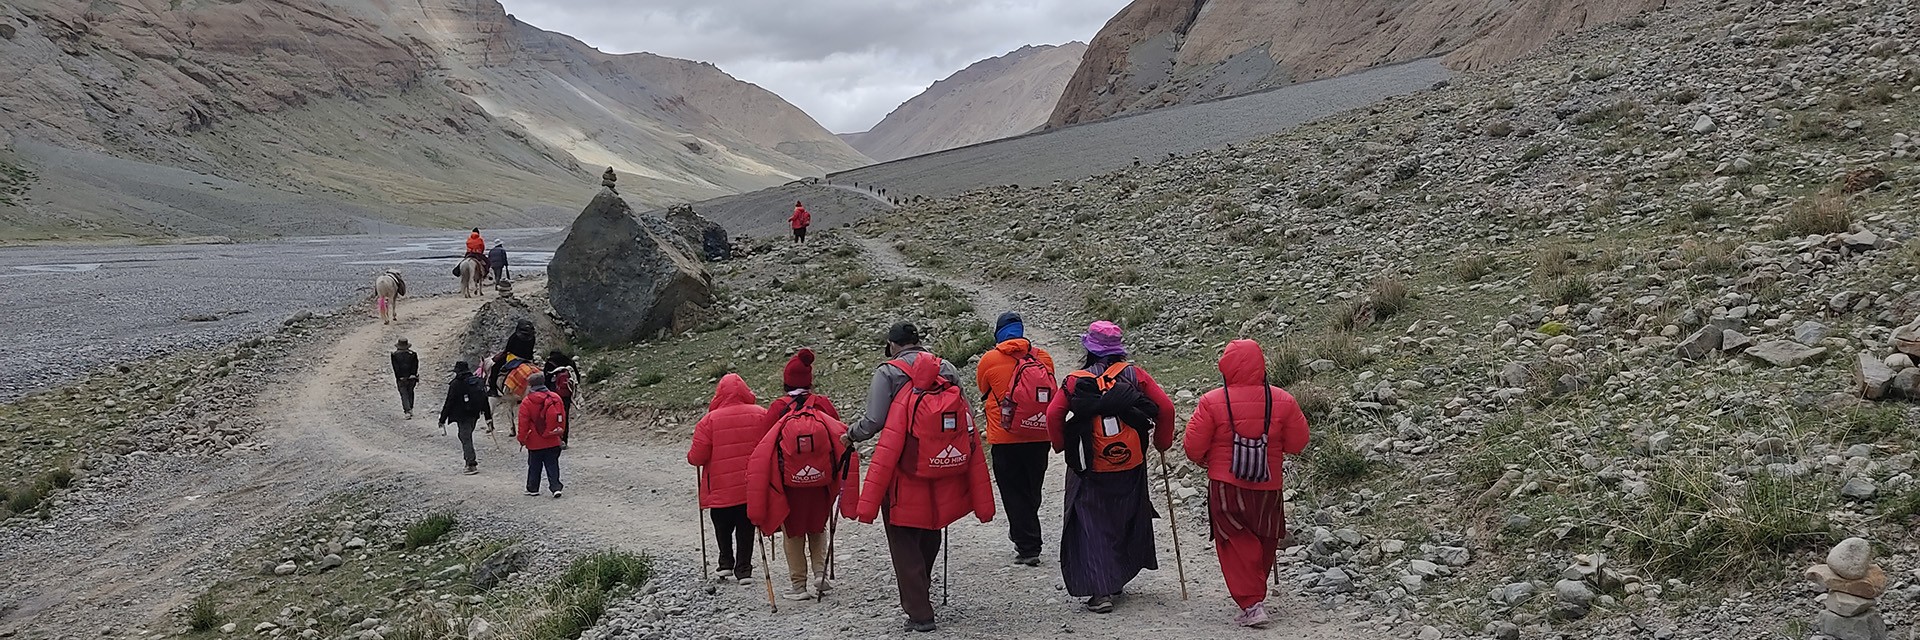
400, 284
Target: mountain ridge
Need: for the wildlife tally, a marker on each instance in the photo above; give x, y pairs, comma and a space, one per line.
998, 97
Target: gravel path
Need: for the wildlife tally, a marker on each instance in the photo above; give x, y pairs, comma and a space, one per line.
73, 308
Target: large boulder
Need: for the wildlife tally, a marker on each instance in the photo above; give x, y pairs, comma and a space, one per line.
707, 235
620, 277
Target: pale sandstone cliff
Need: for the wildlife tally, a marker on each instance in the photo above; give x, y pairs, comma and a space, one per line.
1160, 52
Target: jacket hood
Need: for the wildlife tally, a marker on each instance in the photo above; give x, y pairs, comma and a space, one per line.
1244, 364
1014, 347
732, 391
924, 371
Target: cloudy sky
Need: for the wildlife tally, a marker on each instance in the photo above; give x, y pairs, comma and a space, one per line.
846, 62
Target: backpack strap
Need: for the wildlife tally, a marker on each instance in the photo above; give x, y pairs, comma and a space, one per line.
1266, 423
1112, 374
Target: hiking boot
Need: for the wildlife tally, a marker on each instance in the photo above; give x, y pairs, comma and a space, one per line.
1031, 561
799, 593
1255, 616
922, 627
820, 583
472, 470
556, 494
1100, 604
409, 415
533, 494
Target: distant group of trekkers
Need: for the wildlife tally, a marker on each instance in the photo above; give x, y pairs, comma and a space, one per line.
788, 467
541, 421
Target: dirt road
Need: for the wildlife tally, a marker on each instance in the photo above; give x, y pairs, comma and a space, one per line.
339, 429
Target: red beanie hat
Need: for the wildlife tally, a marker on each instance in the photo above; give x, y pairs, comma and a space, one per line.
799, 371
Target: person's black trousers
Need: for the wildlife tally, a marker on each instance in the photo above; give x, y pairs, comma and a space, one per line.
735, 534
547, 459
406, 394
1020, 470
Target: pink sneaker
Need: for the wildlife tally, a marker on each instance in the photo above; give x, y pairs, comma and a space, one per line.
1255, 616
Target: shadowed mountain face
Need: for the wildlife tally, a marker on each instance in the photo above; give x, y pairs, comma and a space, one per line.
437, 112
991, 99
1156, 53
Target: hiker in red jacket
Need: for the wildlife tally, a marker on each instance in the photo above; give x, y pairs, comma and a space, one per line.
1016, 378
799, 470
541, 422
1106, 414
800, 219
1241, 433
723, 443
928, 470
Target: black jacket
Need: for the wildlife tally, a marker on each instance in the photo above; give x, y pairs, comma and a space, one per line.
406, 365
466, 400
497, 257
521, 343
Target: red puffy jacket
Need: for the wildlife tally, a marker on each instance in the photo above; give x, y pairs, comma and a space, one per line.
915, 502
723, 443
542, 418
766, 489
1209, 439
800, 218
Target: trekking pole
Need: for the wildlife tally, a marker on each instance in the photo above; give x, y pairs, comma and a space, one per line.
769, 579
833, 531
945, 578
702, 513
1173, 522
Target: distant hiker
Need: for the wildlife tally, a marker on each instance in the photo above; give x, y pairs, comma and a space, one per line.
1017, 383
798, 470
561, 371
466, 403
519, 345
1241, 433
800, 219
723, 443
406, 373
927, 470
497, 260
538, 427
1106, 413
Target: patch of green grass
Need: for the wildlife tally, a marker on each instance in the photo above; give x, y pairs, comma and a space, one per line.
1571, 289
648, 379
1286, 364
1319, 197
1314, 401
601, 371
963, 342
204, 613
1343, 349
1334, 462
1390, 296
1694, 524
1610, 116
1871, 424
1710, 257
1126, 312
429, 530
579, 598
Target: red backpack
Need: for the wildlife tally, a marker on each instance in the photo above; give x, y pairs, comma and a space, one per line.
940, 439
805, 446
1024, 406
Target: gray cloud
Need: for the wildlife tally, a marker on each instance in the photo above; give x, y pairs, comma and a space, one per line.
846, 62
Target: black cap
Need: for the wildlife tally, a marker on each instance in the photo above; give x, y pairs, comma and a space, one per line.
903, 333
462, 367
1006, 319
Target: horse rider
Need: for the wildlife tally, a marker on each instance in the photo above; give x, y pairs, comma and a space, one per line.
477, 250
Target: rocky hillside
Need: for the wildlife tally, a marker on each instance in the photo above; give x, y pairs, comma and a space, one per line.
435, 112
991, 99
1583, 338
1156, 53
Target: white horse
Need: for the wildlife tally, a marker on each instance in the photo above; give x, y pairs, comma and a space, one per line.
472, 272
387, 291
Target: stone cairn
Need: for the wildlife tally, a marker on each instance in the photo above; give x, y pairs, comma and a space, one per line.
1853, 584
607, 179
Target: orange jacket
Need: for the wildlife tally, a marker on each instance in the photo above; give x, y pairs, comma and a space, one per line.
541, 420
1209, 440
723, 443
766, 489
475, 244
994, 375
914, 502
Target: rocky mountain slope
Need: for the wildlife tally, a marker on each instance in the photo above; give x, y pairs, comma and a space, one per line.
435, 112
991, 99
1156, 53
1583, 338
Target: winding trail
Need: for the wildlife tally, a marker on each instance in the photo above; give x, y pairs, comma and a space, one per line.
627, 486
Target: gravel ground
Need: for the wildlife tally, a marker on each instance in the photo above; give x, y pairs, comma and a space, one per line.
74, 308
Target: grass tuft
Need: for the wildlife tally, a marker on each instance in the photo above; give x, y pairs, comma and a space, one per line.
429, 530
1694, 524
204, 614
1818, 216
1473, 267
580, 597
1335, 462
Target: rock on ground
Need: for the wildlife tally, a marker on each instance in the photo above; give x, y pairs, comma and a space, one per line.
617, 278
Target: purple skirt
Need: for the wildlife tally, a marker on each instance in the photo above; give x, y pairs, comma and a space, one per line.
1108, 535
